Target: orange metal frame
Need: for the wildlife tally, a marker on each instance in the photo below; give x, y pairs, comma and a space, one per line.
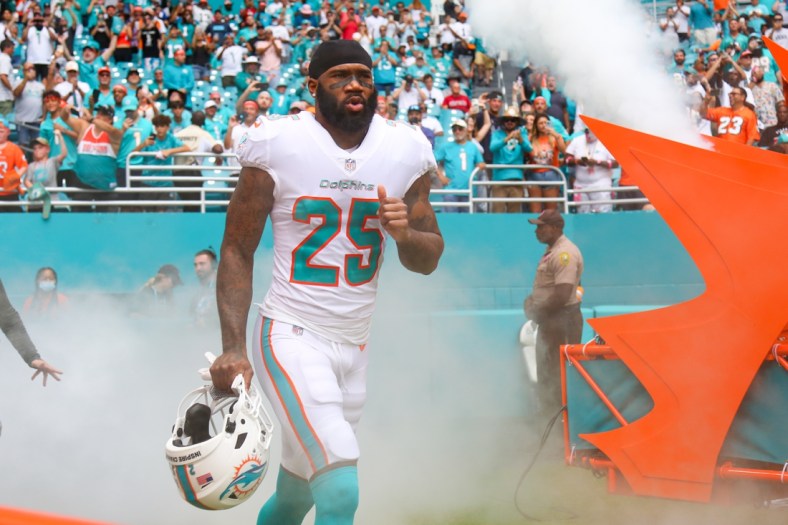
727, 205
574, 355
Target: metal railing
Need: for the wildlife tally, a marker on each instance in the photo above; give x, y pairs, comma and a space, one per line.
475, 197
477, 191
211, 190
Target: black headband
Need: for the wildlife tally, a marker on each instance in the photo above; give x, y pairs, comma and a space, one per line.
337, 52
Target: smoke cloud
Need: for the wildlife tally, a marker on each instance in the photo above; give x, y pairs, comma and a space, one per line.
607, 54
445, 436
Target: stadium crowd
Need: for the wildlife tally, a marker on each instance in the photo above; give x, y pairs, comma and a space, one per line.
90, 87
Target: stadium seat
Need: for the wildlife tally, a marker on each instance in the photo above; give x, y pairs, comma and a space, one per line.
446, 116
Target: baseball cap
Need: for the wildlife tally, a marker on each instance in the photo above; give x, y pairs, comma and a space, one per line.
251, 60
415, 108
104, 69
493, 95
132, 72
130, 103
299, 104
120, 87
39, 140
549, 217
91, 44
72, 65
462, 16
746, 53
459, 123
210, 104
172, 272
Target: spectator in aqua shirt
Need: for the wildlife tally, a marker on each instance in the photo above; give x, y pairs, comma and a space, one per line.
165, 145
136, 130
757, 15
305, 14
247, 32
303, 41
173, 43
249, 75
223, 112
419, 68
214, 123
734, 40
177, 74
180, 117
701, 21
384, 37
384, 65
119, 93
456, 161
281, 104
91, 61
50, 123
440, 63
509, 144
762, 57
263, 18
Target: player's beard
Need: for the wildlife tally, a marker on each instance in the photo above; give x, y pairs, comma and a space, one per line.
334, 112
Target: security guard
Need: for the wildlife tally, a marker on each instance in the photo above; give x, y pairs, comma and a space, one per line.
554, 305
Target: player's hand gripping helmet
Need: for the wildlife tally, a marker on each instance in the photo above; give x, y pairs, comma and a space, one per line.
218, 451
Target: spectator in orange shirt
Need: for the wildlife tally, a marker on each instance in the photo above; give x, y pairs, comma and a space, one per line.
12, 166
737, 123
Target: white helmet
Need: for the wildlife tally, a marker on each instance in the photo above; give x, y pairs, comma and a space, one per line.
218, 451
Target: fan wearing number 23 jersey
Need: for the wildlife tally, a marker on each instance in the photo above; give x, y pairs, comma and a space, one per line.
328, 245
737, 125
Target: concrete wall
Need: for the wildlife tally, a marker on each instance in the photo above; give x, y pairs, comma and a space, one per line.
466, 316
489, 262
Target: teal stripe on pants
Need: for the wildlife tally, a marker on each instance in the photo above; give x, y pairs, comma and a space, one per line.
290, 400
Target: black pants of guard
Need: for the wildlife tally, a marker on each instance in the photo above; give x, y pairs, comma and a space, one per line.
564, 327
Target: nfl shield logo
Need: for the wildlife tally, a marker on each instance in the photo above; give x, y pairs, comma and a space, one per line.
350, 165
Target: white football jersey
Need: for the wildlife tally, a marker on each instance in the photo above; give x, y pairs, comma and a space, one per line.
328, 244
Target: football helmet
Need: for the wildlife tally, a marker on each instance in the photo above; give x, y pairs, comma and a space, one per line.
528, 341
219, 448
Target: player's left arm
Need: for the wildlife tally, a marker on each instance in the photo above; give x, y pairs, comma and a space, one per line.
411, 222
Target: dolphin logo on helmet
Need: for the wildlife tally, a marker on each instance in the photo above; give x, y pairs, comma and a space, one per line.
219, 448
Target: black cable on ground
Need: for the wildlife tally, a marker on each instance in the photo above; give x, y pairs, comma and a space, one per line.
530, 466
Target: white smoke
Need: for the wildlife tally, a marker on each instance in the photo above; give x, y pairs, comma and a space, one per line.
608, 55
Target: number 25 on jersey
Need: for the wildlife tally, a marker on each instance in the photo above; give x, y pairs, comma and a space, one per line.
359, 233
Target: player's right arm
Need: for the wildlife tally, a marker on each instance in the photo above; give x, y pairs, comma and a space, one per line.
249, 208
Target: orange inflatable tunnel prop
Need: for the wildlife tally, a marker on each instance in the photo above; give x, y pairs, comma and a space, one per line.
780, 55
728, 205
10, 516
